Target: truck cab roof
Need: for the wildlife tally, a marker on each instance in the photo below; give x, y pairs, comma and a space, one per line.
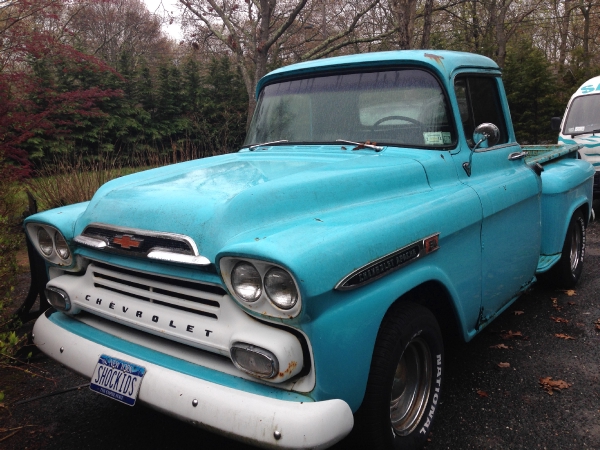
444, 62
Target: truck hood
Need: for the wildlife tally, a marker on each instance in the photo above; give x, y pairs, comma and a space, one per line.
214, 199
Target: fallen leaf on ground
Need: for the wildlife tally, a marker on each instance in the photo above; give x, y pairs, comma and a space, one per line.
570, 292
550, 385
499, 346
482, 394
518, 313
503, 365
564, 336
559, 319
555, 304
510, 334
571, 303
597, 323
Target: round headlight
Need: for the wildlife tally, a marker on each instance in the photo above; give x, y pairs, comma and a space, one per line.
45, 242
62, 249
280, 288
246, 282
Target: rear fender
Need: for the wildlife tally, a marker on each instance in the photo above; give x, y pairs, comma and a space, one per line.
566, 187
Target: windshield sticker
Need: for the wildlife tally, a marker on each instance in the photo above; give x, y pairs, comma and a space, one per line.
579, 128
433, 138
447, 137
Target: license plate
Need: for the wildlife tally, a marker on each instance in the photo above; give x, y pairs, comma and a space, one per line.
117, 379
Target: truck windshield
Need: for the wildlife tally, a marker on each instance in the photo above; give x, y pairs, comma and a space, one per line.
396, 107
584, 115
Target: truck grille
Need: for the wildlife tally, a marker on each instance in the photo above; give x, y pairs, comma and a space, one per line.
194, 297
145, 240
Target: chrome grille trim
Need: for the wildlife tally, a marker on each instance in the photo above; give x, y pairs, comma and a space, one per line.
163, 246
199, 298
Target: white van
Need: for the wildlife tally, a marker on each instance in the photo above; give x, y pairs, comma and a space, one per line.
581, 125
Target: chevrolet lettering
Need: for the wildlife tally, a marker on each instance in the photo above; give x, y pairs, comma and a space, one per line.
301, 289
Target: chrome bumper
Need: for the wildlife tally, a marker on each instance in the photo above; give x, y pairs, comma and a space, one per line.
257, 419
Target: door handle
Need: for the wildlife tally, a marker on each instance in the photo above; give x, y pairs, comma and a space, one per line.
517, 155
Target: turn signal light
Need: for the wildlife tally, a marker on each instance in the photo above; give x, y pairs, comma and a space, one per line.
256, 361
58, 298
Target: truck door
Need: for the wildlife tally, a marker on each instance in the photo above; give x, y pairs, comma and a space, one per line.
509, 192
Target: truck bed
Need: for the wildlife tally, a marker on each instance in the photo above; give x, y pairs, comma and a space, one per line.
544, 153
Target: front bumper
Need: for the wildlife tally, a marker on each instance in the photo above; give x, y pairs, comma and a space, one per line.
299, 422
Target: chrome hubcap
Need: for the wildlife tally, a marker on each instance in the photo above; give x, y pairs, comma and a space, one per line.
575, 248
411, 387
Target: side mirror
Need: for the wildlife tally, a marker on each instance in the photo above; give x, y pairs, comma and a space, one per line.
555, 123
486, 135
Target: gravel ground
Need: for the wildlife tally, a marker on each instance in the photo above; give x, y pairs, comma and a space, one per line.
484, 406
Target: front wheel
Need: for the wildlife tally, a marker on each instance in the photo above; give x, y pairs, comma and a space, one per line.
567, 271
403, 389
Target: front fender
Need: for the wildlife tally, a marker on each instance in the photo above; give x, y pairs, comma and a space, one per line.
343, 337
62, 218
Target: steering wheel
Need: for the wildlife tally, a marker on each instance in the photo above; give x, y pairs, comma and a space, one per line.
406, 119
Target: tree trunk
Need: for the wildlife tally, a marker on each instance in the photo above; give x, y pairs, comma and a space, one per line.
404, 12
475, 26
427, 13
585, 8
564, 33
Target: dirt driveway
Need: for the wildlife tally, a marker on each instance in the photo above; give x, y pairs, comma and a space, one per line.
492, 396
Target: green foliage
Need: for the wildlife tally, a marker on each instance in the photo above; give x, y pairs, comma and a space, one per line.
219, 117
579, 70
10, 342
531, 88
184, 110
11, 237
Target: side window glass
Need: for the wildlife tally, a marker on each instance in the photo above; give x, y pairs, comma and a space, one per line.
479, 102
461, 96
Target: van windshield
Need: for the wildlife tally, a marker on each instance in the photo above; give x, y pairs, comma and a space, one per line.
396, 107
583, 115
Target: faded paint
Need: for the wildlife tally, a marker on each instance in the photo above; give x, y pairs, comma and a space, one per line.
325, 211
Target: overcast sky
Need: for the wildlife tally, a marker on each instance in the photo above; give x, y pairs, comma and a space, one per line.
158, 7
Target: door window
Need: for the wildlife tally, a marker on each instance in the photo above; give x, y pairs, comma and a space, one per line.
479, 102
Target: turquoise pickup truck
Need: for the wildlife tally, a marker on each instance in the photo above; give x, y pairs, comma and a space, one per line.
302, 288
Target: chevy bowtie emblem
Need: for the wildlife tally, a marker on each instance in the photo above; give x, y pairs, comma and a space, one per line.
127, 241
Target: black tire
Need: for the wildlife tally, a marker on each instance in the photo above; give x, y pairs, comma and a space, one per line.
567, 271
403, 389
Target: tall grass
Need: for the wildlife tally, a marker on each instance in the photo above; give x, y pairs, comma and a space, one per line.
66, 182
70, 179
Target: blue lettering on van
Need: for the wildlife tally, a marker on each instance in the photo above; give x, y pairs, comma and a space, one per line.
587, 89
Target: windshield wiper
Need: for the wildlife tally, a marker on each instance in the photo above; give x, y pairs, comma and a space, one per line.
597, 130
361, 145
252, 147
